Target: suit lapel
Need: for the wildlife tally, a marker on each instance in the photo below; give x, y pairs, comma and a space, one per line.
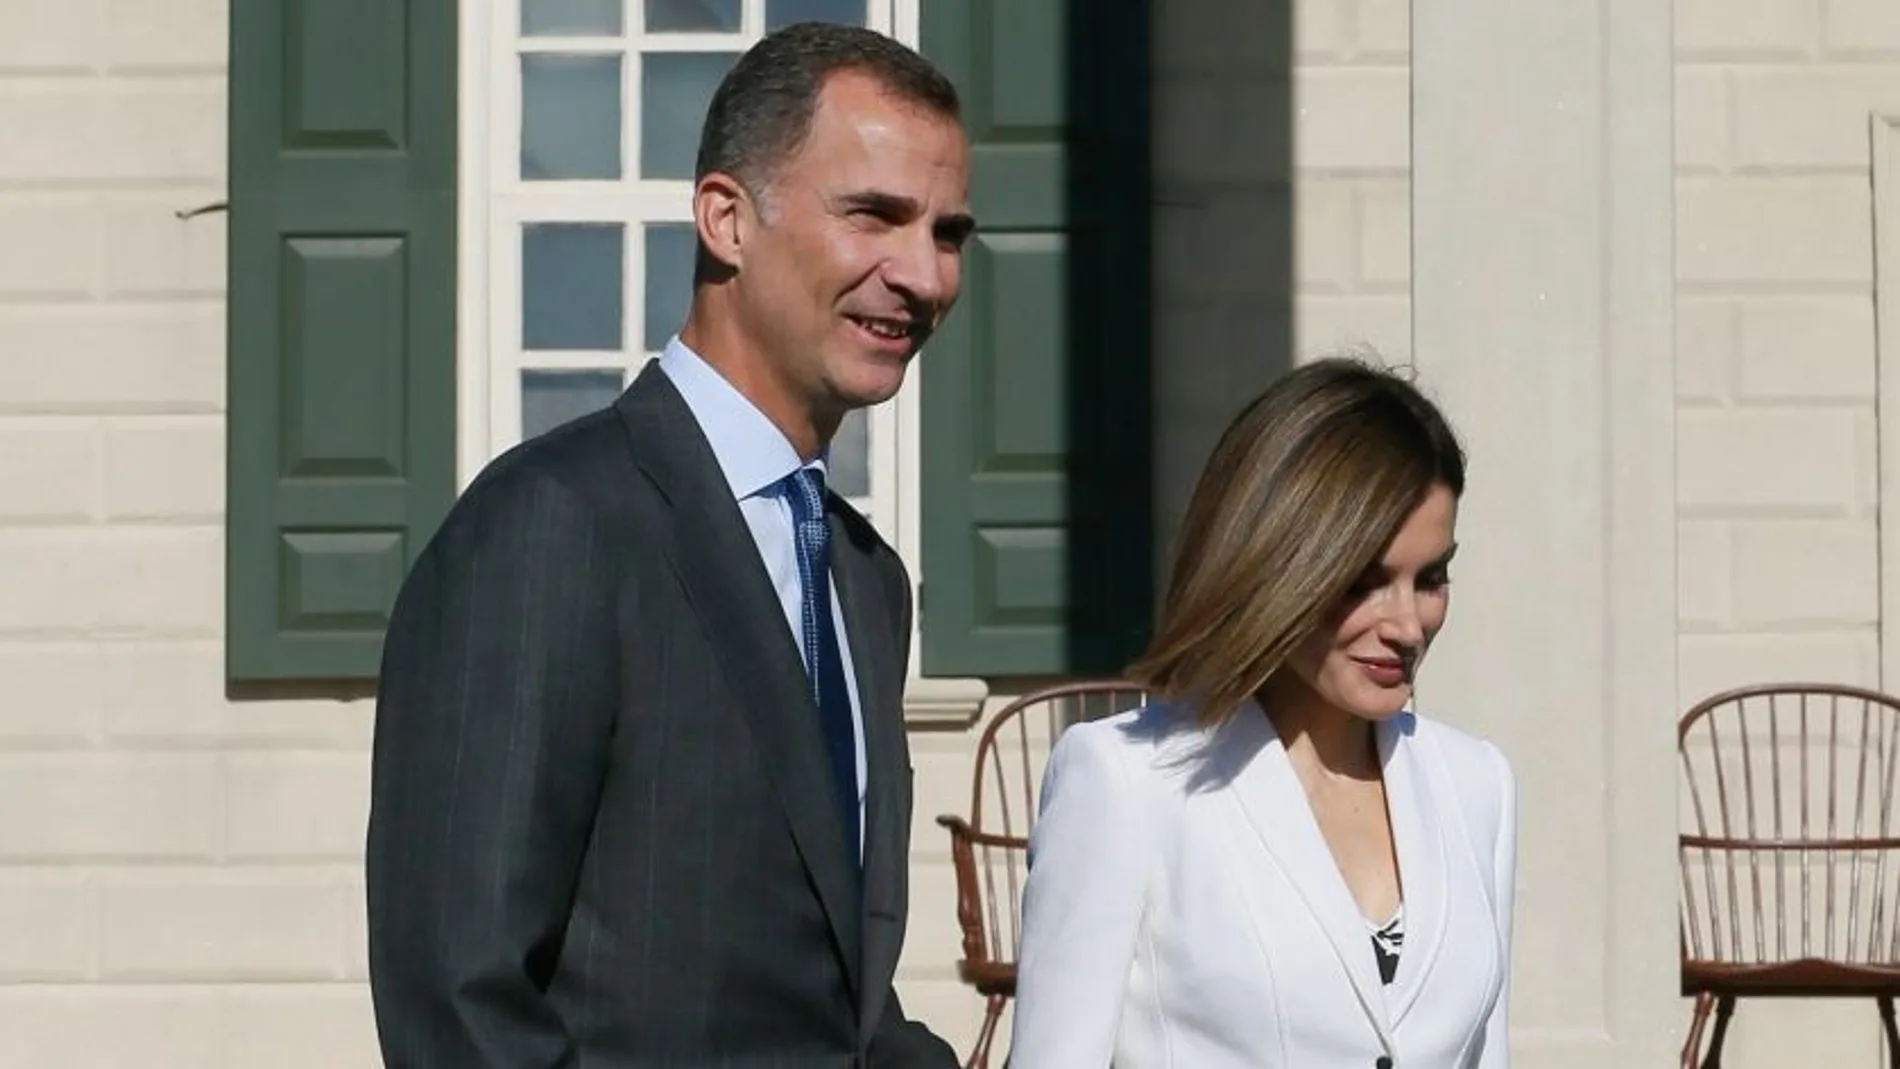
1274, 804
1418, 833
869, 626
732, 595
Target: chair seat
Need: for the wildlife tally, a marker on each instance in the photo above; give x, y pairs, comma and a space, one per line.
1790, 979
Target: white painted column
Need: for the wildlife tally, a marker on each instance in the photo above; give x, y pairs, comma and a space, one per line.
1543, 290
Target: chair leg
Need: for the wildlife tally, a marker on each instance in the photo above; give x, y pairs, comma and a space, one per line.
992, 1016
1724, 1006
1699, 1019
1893, 1032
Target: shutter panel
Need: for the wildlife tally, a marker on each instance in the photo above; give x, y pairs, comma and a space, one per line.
1037, 536
341, 323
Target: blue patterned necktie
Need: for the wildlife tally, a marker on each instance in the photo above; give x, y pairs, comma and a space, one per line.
824, 664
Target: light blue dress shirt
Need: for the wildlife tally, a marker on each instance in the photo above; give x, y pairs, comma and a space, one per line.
755, 457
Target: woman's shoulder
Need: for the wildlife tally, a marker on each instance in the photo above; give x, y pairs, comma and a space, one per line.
1136, 740
1128, 734
1458, 745
1476, 767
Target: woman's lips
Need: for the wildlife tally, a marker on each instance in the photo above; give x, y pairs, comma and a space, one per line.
1384, 671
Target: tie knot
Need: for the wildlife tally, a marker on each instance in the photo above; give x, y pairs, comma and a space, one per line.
807, 487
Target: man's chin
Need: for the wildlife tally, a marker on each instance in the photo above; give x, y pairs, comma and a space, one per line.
870, 390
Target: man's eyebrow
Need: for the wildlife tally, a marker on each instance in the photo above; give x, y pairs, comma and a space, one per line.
885, 203
956, 225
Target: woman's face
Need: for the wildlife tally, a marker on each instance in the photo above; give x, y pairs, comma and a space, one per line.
1364, 658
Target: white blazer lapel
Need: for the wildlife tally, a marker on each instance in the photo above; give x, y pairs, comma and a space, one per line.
1274, 804
1418, 833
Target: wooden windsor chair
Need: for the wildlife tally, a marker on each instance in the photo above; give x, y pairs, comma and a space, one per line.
1791, 866
989, 847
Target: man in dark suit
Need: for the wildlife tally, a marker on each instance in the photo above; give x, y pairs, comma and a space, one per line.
641, 791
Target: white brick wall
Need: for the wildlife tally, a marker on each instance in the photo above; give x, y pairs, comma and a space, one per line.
178, 884
1776, 333
1779, 569
1352, 113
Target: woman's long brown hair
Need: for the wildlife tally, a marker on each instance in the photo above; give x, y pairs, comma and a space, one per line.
1306, 488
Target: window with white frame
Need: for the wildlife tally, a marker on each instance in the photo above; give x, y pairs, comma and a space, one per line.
581, 123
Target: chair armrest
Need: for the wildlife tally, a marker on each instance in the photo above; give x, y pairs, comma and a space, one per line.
963, 840
962, 833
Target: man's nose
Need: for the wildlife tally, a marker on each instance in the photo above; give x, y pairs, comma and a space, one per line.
921, 270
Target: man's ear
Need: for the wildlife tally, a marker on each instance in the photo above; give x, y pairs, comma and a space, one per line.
723, 215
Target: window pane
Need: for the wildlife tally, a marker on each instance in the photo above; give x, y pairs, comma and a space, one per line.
570, 117
692, 16
675, 88
782, 13
551, 398
576, 18
571, 286
669, 277
849, 465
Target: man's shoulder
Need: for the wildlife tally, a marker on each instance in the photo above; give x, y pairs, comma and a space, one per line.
584, 465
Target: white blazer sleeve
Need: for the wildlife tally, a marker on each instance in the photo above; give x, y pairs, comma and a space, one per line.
1497, 1038
1082, 904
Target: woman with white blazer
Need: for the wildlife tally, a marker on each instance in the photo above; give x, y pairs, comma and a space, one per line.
1277, 864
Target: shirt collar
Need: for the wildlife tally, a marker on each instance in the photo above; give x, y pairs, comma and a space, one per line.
753, 454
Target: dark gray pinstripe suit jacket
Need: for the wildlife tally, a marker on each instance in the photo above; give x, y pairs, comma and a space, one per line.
601, 830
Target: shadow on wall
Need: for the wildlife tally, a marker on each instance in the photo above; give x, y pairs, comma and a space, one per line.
1181, 280
1113, 361
1224, 229
1206, 214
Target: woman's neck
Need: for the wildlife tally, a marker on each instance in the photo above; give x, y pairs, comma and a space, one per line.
1318, 734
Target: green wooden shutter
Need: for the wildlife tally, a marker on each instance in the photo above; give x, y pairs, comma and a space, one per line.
341, 323
1037, 535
